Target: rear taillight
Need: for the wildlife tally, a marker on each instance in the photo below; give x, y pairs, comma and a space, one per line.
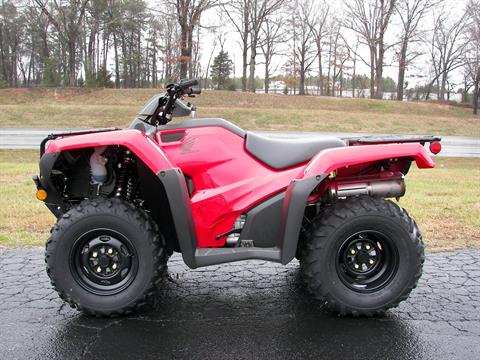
435, 147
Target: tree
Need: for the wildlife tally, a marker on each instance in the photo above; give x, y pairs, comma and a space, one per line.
339, 54
68, 25
447, 49
188, 16
303, 42
259, 12
411, 12
238, 11
472, 51
221, 69
273, 36
11, 33
93, 31
370, 20
320, 30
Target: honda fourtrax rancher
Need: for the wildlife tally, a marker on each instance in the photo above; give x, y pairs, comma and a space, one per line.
126, 199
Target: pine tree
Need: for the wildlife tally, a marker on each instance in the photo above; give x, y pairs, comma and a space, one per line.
221, 69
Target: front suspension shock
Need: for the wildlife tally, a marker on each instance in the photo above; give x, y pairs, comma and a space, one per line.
124, 182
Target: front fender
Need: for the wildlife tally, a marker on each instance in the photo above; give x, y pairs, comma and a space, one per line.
140, 144
318, 170
136, 141
152, 156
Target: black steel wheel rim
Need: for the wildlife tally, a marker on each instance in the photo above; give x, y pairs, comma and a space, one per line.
367, 261
103, 261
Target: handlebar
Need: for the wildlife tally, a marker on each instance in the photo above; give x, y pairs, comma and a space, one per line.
174, 91
188, 83
184, 88
192, 91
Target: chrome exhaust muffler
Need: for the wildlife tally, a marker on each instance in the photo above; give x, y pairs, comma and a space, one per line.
388, 188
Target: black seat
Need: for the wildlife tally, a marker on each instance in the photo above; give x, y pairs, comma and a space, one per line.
283, 153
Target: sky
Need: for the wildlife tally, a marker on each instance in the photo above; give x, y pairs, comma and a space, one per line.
417, 73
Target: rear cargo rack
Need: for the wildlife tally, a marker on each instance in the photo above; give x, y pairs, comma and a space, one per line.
391, 139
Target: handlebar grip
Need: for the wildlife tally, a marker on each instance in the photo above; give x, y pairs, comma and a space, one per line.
188, 83
196, 91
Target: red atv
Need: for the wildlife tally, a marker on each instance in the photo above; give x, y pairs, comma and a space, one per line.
127, 199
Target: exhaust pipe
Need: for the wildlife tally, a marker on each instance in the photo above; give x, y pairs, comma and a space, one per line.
389, 188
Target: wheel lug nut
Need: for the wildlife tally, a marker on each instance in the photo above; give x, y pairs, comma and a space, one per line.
352, 251
356, 266
99, 269
367, 247
114, 266
94, 254
110, 251
371, 261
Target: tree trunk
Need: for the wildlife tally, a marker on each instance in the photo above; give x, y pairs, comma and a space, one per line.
301, 85
253, 55
117, 70
320, 75
267, 72
341, 83
402, 63
189, 52
400, 83
443, 86
354, 75
244, 68
329, 68
184, 51
379, 70
126, 77
72, 66
372, 72
246, 31
476, 96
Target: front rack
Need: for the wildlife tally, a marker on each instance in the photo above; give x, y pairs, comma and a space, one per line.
71, 133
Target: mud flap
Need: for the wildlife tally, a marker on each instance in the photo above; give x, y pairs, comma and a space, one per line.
176, 189
293, 210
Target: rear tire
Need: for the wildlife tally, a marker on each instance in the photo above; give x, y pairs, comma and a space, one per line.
362, 256
105, 257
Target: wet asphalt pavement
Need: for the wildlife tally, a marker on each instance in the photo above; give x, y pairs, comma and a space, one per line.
245, 310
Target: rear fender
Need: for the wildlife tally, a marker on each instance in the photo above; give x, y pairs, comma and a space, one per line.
328, 160
318, 169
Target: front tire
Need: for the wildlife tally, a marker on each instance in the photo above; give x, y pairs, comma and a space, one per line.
105, 256
362, 256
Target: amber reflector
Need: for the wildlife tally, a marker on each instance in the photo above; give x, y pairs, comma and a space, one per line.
41, 194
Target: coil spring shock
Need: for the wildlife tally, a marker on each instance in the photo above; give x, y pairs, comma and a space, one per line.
124, 181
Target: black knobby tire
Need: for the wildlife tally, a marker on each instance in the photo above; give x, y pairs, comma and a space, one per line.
335, 265
84, 229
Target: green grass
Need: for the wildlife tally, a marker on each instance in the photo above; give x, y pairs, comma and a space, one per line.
24, 221
84, 108
444, 201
